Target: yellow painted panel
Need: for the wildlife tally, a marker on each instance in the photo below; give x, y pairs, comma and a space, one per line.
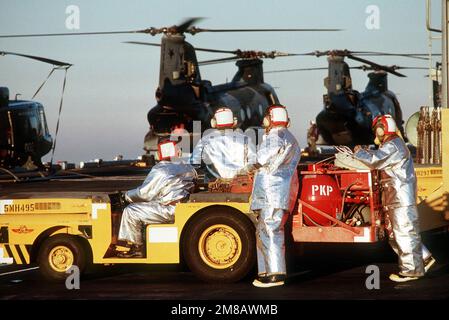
163, 252
25, 230
102, 234
429, 180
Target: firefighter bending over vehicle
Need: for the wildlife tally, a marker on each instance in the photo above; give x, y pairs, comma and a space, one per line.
225, 151
274, 194
170, 181
398, 180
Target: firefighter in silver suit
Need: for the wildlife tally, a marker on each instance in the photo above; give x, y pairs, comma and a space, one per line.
225, 151
274, 194
169, 182
398, 181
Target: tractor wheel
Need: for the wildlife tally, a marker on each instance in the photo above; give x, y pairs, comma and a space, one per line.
219, 245
58, 253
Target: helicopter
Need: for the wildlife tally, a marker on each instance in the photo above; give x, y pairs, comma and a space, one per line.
184, 98
24, 134
347, 115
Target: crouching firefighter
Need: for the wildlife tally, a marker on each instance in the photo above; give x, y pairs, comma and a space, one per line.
274, 193
398, 181
170, 181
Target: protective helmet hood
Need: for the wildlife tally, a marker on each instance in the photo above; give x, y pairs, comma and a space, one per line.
223, 118
166, 150
278, 116
387, 122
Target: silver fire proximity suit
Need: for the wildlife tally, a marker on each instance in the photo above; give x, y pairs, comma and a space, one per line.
155, 200
226, 152
399, 202
274, 194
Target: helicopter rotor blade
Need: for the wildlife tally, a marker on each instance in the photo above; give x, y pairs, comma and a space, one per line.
350, 55
195, 30
252, 54
196, 48
409, 68
154, 31
143, 43
72, 34
151, 31
242, 54
394, 67
248, 55
362, 67
183, 27
42, 59
216, 61
419, 56
299, 69
375, 65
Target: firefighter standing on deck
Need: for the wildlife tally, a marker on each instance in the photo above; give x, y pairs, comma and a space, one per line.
275, 186
154, 201
398, 198
224, 150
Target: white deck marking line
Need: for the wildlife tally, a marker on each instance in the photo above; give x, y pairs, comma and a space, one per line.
17, 271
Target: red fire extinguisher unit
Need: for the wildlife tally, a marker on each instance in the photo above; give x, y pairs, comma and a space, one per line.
338, 205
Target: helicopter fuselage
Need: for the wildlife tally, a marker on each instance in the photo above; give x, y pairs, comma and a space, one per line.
184, 98
23, 133
347, 115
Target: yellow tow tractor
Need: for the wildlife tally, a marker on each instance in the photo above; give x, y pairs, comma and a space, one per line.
213, 232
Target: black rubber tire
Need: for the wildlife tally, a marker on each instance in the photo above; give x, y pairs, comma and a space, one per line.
69, 241
242, 226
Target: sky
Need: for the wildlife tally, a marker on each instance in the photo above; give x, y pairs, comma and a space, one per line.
111, 86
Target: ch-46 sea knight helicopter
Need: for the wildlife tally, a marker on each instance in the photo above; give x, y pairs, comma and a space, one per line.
347, 115
184, 97
24, 135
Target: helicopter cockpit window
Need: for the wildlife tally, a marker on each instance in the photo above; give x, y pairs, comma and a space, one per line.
27, 123
21, 124
35, 125
43, 122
